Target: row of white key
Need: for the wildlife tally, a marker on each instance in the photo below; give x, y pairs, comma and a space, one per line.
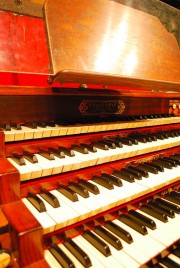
27, 133
57, 218
46, 167
139, 252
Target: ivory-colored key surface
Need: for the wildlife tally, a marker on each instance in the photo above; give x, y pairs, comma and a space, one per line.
47, 223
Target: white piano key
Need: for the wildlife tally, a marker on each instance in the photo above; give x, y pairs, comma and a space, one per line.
71, 256
132, 251
174, 258
109, 261
51, 260
49, 167
46, 131
28, 133
25, 172
124, 259
47, 223
69, 163
163, 233
95, 261
81, 209
144, 243
103, 156
62, 216
86, 160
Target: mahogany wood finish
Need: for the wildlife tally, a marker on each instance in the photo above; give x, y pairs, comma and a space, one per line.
127, 52
37, 104
26, 233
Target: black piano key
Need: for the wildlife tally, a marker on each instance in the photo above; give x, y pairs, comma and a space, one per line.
67, 192
152, 212
136, 175
51, 123
79, 189
168, 205
6, 127
115, 181
176, 194
117, 143
41, 124
103, 182
160, 136
139, 138
176, 252
89, 186
148, 168
153, 137
97, 243
46, 154
90, 148
66, 151
57, 152
30, 157
18, 158
100, 145
169, 263
32, 125
16, 126
160, 209
162, 163
134, 141
175, 159
109, 143
172, 162
50, 198
80, 149
158, 167
143, 219
142, 172
171, 197
123, 175
61, 257
125, 141
78, 252
131, 222
36, 202
176, 156
120, 232
108, 237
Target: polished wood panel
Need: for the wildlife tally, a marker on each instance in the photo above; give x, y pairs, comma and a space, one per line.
125, 53
26, 233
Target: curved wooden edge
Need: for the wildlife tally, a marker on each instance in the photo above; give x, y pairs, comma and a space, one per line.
68, 76
26, 234
62, 90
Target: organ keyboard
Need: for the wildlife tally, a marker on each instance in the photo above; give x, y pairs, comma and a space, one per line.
89, 177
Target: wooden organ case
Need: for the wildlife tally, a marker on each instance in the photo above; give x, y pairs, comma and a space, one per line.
89, 177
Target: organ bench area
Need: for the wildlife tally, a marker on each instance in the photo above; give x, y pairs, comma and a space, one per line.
89, 191
89, 177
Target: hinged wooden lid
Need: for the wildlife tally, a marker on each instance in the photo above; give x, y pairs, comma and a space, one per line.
105, 42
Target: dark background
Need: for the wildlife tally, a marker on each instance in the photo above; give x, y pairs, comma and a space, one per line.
173, 3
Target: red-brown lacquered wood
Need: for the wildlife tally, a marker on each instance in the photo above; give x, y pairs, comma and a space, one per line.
105, 42
9, 182
68, 91
26, 233
42, 104
2, 151
38, 264
5, 241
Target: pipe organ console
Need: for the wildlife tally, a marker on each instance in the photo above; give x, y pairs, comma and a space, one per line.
89, 177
